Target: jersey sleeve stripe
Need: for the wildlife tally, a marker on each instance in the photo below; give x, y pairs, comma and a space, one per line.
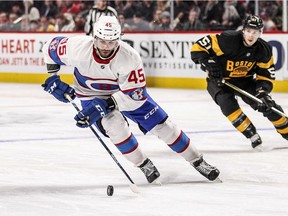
215, 45
258, 77
266, 65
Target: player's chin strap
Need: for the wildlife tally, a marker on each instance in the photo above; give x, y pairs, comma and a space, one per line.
252, 97
133, 186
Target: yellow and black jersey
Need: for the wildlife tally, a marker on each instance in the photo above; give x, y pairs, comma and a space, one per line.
237, 60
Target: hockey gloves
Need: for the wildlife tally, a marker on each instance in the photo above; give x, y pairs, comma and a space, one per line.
58, 89
97, 109
267, 102
214, 70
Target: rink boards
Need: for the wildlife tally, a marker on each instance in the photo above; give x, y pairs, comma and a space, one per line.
166, 58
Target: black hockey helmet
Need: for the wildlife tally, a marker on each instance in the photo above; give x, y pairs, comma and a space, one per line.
254, 22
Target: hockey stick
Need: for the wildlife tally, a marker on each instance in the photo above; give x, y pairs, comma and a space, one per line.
132, 185
252, 97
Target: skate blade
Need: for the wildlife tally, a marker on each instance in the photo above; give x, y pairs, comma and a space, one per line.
157, 182
218, 180
259, 148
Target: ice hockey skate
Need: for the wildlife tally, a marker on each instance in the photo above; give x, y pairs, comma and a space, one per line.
256, 142
205, 169
149, 170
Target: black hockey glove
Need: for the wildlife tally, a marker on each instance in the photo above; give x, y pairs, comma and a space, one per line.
214, 70
267, 102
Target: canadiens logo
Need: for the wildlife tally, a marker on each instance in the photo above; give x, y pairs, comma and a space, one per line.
54, 44
138, 94
64, 40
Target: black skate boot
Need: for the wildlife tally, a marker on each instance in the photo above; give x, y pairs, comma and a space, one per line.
205, 169
256, 141
149, 170
251, 133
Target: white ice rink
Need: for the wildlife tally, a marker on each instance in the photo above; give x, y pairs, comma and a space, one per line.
50, 167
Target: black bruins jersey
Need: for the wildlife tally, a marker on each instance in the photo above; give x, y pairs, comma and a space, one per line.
237, 60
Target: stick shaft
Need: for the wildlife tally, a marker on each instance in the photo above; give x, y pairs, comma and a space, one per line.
101, 141
252, 97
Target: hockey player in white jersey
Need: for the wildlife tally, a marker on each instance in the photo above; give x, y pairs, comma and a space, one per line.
109, 80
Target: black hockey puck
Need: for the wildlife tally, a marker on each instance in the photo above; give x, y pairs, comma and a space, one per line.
110, 190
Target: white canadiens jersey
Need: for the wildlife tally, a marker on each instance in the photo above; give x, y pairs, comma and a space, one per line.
120, 76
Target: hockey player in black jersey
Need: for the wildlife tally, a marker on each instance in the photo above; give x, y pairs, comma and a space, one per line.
245, 60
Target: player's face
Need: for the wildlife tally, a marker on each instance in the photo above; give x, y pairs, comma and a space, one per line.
250, 36
105, 47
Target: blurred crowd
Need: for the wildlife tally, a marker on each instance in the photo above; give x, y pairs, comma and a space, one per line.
145, 15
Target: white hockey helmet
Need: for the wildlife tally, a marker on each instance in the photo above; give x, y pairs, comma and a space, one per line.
107, 28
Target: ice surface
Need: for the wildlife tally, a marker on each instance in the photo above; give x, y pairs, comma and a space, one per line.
50, 167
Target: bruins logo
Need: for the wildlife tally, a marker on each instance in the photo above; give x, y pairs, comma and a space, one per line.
240, 71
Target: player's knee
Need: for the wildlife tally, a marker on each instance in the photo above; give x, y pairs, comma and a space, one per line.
227, 103
167, 131
115, 126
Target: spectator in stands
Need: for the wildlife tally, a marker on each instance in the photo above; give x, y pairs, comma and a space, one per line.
230, 19
177, 23
71, 7
147, 8
3, 21
119, 6
165, 24
130, 9
139, 24
79, 22
124, 25
12, 24
193, 22
16, 8
80, 18
48, 9
34, 25
156, 21
213, 15
163, 5
276, 13
65, 23
60, 4
101, 7
241, 9
46, 24
250, 7
5, 6
269, 25
181, 11
33, 12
